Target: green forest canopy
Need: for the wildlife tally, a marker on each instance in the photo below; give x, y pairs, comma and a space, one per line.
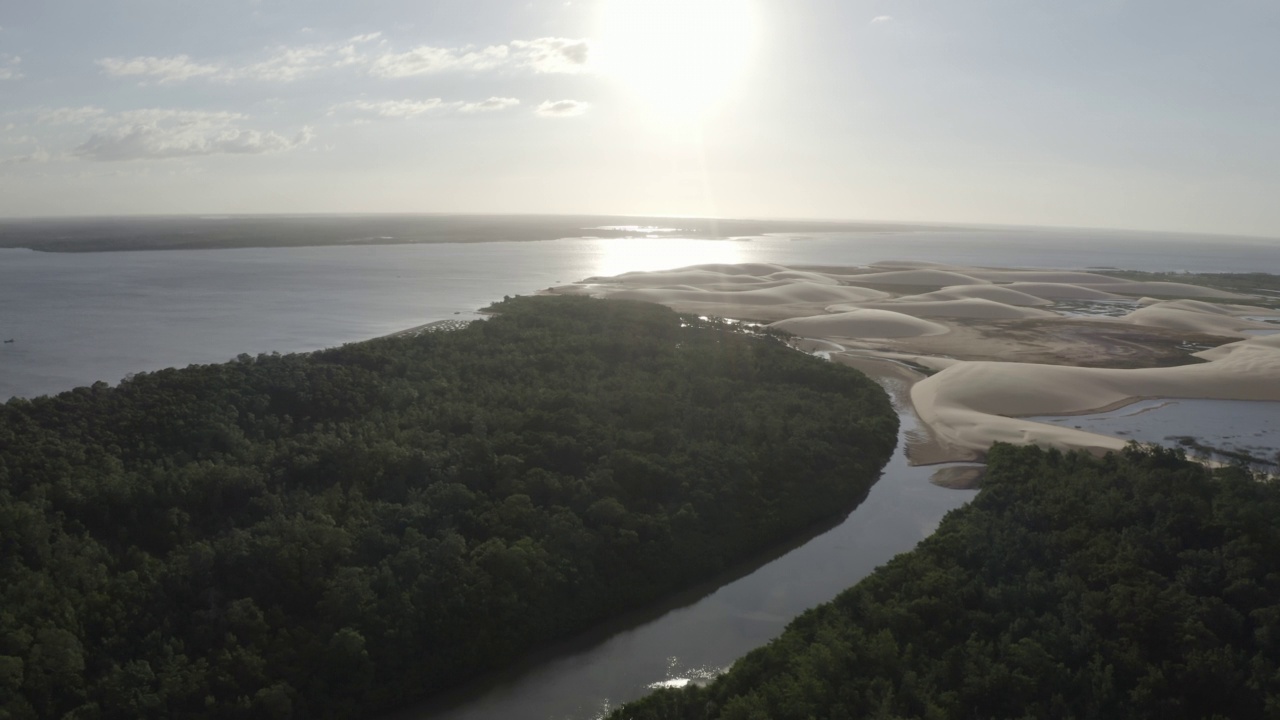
1139, 585
335, 533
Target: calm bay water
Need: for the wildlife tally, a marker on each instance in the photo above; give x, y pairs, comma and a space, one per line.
83, 317
78, 318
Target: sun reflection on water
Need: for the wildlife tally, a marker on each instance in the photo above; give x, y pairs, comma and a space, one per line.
614, 256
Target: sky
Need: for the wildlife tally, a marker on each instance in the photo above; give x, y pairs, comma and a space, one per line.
1143, 114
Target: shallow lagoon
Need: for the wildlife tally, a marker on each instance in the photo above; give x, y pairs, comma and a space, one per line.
1236, 426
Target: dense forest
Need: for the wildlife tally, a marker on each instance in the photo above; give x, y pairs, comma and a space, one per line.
1139, 585
334, 533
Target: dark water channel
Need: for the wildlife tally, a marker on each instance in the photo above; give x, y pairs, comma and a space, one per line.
696, 637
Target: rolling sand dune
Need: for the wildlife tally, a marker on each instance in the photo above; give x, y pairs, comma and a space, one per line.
925, 278
1197, 320
1041, 276
972, 322
970, 405
1063, 291
967, 308
997, 293
860, 324
1164, 289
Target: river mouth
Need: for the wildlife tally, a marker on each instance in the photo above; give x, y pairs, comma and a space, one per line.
695, 636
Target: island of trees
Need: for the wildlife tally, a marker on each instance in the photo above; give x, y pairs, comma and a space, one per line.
1139, 585
335, 533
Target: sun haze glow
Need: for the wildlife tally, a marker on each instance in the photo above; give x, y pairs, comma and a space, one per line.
678, 56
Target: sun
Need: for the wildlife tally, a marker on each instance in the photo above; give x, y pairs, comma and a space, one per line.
678, 56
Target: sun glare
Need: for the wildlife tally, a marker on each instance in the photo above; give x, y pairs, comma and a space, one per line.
677, 55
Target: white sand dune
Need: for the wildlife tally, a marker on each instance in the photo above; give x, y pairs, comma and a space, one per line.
970, 405
1216, 308
1164, 289
925, 278
975, 308
1179, 316
997, 293
1061, 291
860, 324
812, 277
1265, 342
1070, 277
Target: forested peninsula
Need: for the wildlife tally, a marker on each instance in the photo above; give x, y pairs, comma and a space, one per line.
1138, 585
335, 533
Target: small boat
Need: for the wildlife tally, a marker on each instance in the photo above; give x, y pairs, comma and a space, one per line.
6, 342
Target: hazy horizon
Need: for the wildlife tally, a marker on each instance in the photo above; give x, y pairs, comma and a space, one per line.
1134, 115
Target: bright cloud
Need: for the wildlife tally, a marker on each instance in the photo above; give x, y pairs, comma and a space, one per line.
157, 134
288, 64
553, 55
37, 156
9, 67
394, 108
161, 69
427, 60
561, 108
881, 19
406, 109
69, 115
491, 105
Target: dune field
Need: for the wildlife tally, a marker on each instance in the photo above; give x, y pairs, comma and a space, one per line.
984, 348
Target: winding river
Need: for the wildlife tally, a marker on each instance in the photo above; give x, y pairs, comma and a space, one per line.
699, 634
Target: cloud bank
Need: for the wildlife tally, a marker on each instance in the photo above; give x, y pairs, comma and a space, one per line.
366, 53
561, 108
406, 109
9, 67
158, 134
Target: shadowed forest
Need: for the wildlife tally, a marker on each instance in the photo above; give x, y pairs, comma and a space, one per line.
335, 533
1139, 585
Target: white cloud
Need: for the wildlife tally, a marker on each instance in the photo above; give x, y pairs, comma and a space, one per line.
70, 115
157, 134
881, 19
406, 109
9, 67
427, 60
289, 64
553, 55
36, 157
491, 105
395, 108
286, 65
561, 108
162, 69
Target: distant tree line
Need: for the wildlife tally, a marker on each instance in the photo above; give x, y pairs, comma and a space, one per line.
1139, 585
336, 533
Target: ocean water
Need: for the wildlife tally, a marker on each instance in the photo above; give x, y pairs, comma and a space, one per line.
77, 318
